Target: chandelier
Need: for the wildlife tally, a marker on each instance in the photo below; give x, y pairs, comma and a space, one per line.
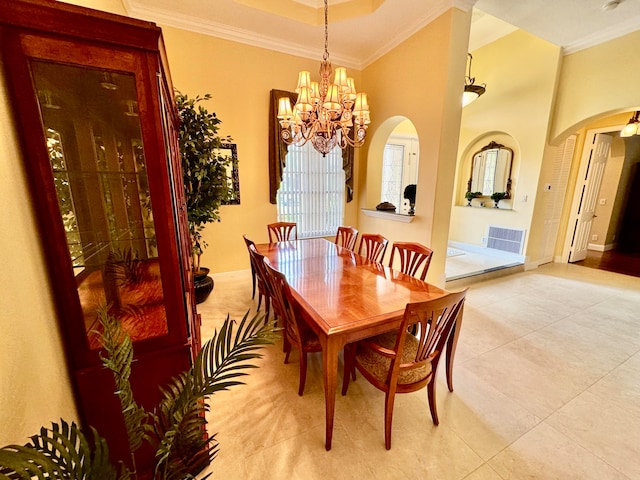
471, 90
325, 112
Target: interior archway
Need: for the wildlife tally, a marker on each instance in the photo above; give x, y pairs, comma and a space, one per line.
404, 136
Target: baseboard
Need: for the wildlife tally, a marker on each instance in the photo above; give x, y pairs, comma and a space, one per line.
601, 248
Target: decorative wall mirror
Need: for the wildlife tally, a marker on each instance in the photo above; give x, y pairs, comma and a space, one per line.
491, 170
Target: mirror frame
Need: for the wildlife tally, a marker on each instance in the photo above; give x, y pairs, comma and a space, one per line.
493, 145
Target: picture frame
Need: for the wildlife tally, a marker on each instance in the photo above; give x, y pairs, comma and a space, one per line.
230, 150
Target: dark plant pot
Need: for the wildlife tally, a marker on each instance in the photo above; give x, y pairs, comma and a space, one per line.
202, 284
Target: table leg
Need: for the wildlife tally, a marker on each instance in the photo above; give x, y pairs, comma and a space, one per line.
330, 370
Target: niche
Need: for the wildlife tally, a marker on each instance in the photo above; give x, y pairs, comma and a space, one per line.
400, 167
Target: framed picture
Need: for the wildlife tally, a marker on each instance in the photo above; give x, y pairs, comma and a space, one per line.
230, 150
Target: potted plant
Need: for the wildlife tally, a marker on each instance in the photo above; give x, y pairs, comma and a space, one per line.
176, 427
470, 196
206, 181
496, 197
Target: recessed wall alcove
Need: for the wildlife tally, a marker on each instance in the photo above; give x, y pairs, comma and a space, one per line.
392, 165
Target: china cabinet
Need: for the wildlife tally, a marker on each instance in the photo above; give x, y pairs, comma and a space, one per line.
94, 109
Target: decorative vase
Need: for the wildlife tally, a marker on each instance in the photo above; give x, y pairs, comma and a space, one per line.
495, 203
203, 284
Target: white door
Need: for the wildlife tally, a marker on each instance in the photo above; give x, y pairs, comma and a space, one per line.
587, 188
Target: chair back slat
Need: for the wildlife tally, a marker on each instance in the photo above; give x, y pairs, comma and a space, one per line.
282, 299
346, 237
373, 246
282, 231
435, 320
412, 256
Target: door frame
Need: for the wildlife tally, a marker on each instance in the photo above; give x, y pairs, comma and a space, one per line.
576, 188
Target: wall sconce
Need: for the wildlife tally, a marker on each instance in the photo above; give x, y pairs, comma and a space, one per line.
471, 90
631, 128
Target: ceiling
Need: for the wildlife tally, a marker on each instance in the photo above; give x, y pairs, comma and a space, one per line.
360, 31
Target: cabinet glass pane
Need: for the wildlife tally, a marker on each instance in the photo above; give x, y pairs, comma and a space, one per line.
100, 175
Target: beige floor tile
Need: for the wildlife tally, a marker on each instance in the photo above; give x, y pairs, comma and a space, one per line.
612, 434
546, 454
486, 419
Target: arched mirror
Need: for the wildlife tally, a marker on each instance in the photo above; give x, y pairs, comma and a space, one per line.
400, 168
491, 170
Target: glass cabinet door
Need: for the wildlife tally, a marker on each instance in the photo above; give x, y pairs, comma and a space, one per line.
93, 135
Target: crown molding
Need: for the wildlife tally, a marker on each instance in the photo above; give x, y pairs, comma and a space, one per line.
248, 37
226, 32
629, 26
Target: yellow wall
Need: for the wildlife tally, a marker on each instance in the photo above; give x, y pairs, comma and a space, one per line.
520, 71
419, 80
34, 385
596, 82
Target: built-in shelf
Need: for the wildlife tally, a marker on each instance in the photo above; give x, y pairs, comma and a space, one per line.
396, 217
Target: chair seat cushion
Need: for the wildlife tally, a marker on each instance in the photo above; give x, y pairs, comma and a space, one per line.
378, 365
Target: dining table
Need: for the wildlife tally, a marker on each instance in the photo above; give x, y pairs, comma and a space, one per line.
345, 297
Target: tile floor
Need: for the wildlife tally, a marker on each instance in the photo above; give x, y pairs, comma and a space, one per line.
547, 386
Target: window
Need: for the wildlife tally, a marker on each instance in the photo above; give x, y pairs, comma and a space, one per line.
312, 191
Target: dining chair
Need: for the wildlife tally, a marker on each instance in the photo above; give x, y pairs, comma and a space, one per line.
398, 362
257, 261
373, 246
282, 231
253, 268
412, 255
297, 332
346, 237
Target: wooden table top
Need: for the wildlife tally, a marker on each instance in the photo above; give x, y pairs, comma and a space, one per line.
341, 290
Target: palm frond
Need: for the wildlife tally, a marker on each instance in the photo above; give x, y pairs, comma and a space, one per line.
118, 359
60, 452
185, 448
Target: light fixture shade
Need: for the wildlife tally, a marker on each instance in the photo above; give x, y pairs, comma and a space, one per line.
304, 80
340, 79
361, 105
471, 92
632, 127
350, 93
304, 100
315, 93
332, 102
629, 130
284, 109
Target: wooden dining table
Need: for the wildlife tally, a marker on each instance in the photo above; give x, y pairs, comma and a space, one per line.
344, 298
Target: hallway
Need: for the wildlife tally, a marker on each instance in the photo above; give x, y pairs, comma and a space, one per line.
613, 261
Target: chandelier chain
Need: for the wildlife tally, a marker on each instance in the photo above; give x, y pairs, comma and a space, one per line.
325, 56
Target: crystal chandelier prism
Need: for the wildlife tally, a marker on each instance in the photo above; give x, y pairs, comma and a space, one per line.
325, 112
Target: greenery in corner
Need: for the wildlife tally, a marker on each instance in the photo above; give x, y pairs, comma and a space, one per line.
497, 196
471, 195
175, 428
204, 169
